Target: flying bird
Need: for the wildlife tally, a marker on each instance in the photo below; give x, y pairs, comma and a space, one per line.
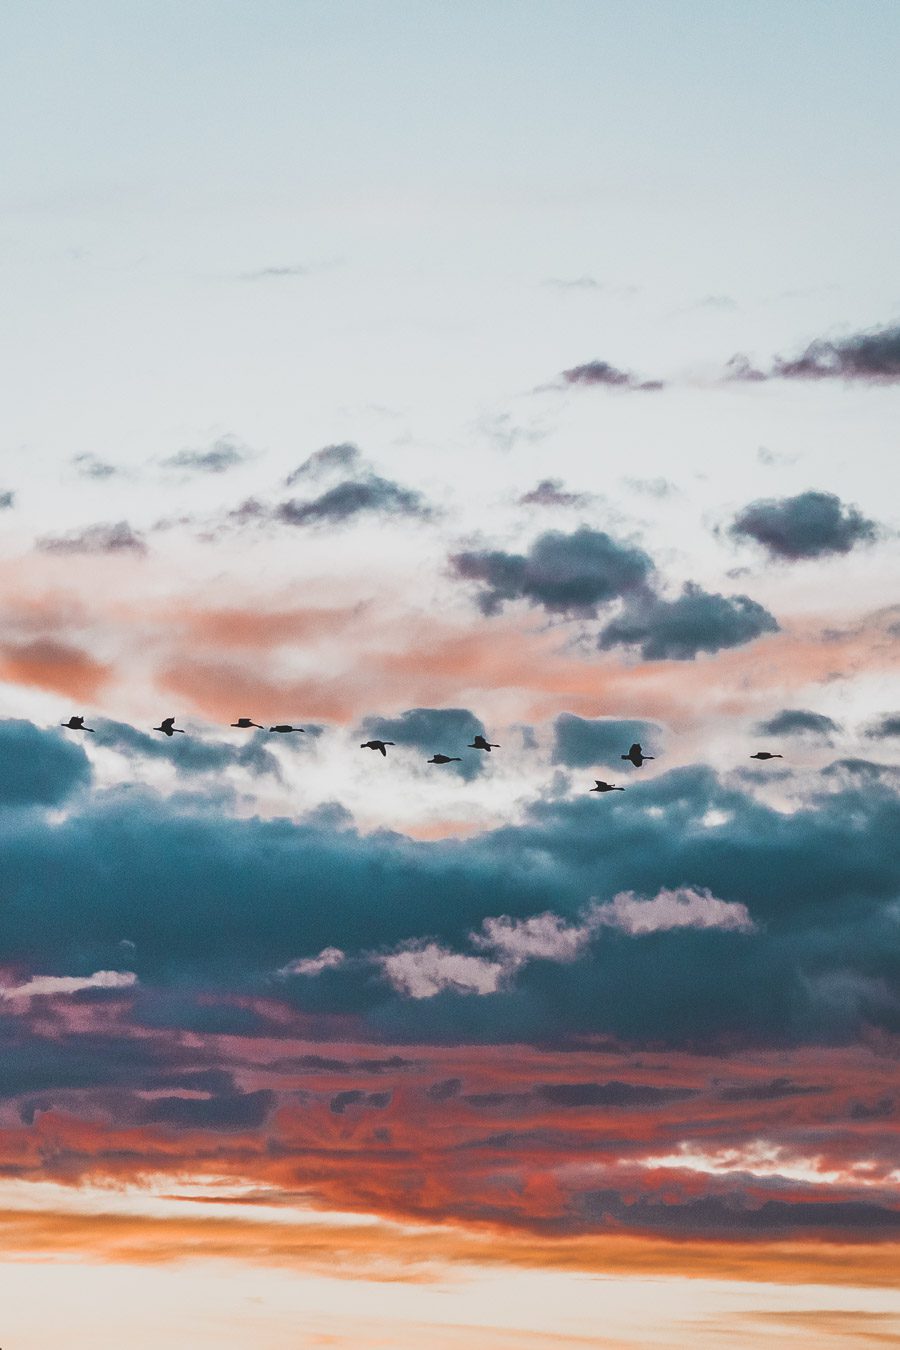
605, 787
376, 745
480, 743
445, 759
766, 754
245, 722
286, 728
168, 728
637, 756
76, 724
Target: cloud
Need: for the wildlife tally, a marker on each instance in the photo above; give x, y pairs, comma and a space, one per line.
355, 1097
872, 357
572, 574
551, 492
652, 487
355, 496
799, 722
423, 969
601, 373
448, 731
328, 959
54, 986
581, 742
444, 1090
189, 754
810, 525
49, 664
683, 907
344, 455
774, 1090
229, 1111
542, 937
117, 538
89, 466
267, 273
886, 726
628, 1096
225, 453
40, 768
7, 501
697, 621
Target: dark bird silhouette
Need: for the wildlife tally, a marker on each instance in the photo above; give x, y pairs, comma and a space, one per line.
168, 728
445, 759
76, 724
285, 728
606, 787
637, 756
376, 745
766, 754
480, 743
245, 722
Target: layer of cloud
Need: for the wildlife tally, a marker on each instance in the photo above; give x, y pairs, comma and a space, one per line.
871, 357
810, 525
552, 492
95, 539
799, 722
447, 731
56, 986
225, 453
602, 374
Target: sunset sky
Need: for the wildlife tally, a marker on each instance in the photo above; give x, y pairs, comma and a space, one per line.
414, 372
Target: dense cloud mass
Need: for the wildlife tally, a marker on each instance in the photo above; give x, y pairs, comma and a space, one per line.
39, 768
580, 742
872, 357
565, 573
887, 726
117, 538
810, 525
697, 621
447, 731
799, 722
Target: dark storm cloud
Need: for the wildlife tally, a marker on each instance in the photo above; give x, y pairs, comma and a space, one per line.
581, 742
799, 722
565, 573
112, 538
355, 1097
189, 754
447, 731
218, 904
603, 374
697, 621
611, 1094
343, 456
809, 525
39, 767
551, 492
353, 497
887, 726
234, 1111
225, 453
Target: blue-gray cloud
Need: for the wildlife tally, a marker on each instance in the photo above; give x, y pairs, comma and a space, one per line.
189, 754
344, 456
605, 375
445, 730
810, 525
871, 357
697, 621
799, 722
581, 742
225, 453
371, 495
7, 501
106, 538
886, 727
40, 768
570, 574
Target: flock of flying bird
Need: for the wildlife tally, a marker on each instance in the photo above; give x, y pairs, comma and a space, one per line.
635, 755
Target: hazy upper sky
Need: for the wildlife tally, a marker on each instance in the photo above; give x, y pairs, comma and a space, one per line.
414, 372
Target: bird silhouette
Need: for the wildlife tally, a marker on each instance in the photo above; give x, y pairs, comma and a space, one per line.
286, 728
76, 724
605, 787
376, 745
480, 743
168, 728
445, 759
245, 722
637, 756
766, 754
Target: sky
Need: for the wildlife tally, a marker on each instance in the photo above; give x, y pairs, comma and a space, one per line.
412, 374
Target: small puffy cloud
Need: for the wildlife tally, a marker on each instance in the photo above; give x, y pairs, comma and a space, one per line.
54, 986
329, 958
7, 501
447, 731
697, 621
423, 969
886, 726
225, 453
564, 573
580, 742
89, 466
798, 722
551, 492
542, 937
356, 1097
682, 907
601, 373
443, 1090
112, 538
343, 456
809, 525
353, 497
